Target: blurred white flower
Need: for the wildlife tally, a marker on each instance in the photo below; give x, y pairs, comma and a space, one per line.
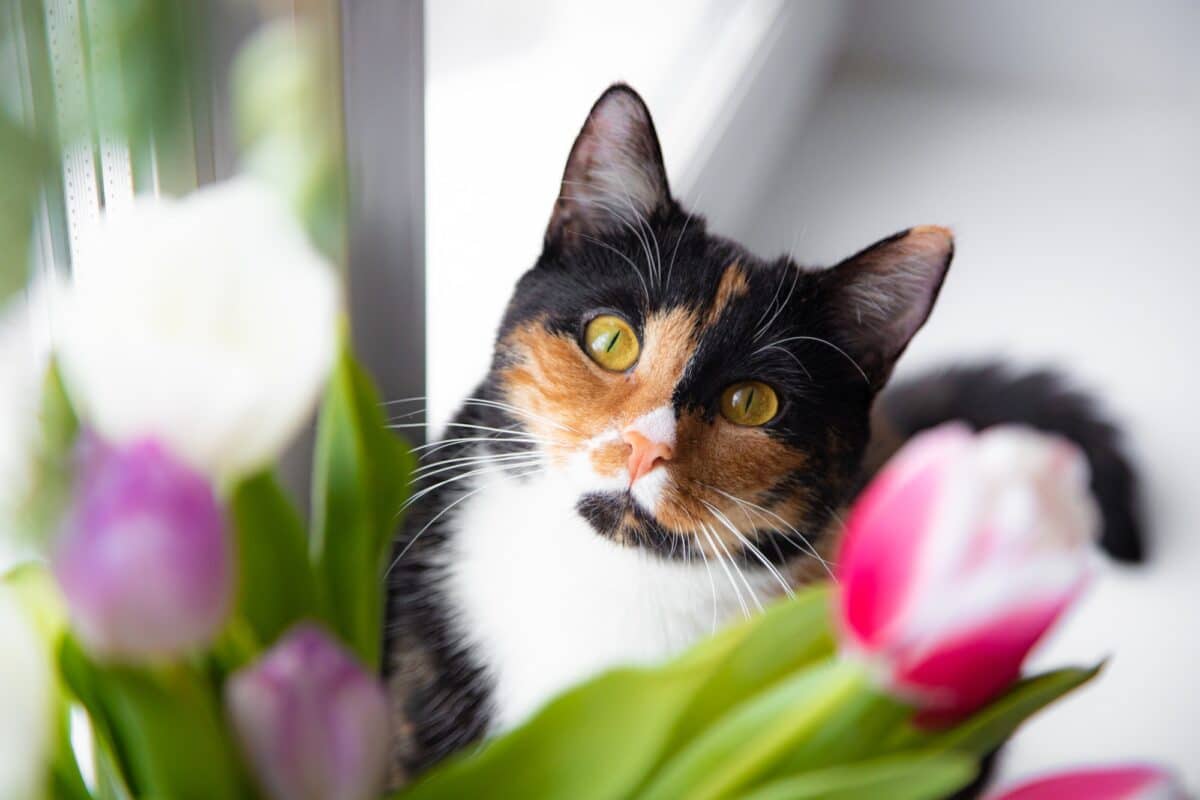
25, 341
26, 703
207, 322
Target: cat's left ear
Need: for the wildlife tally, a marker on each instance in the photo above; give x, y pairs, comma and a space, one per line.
882, 296
614, 174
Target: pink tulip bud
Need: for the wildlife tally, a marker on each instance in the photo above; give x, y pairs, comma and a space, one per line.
958, 558
144, 561
1099, 783
311, 721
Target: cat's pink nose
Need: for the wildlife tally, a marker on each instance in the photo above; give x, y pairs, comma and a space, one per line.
645, 454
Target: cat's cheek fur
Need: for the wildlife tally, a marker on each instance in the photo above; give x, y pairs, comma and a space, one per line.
569, 398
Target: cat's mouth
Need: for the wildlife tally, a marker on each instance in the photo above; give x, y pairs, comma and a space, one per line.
618, 516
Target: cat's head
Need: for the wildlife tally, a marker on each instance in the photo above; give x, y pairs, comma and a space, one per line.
696, 392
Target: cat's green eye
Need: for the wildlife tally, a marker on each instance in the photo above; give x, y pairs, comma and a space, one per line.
611, 343
749, 403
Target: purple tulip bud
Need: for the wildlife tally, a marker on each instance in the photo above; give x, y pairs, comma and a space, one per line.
144, 561
311, 721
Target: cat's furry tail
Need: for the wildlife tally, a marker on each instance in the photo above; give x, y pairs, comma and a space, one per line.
989, 394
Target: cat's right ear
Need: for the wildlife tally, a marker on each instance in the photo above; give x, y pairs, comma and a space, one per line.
880, 297
615, 173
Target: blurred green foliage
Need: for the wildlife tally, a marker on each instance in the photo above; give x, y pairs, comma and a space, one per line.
28, 163
144, 61
41, 507
765, 709
141, 62
163, 726
286, 107
159, 730
361, 472
34, 587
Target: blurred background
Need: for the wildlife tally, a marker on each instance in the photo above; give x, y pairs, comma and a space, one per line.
1059, 140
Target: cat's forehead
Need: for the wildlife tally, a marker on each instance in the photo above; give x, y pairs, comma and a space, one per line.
679, 264
735, 293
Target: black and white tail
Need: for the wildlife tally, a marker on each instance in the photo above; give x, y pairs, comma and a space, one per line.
989, 394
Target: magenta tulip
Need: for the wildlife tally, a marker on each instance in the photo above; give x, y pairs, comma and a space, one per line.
144, 560
1099, 783
311, 721
958, 558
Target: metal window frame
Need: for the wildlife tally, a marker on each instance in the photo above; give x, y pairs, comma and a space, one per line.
383, 83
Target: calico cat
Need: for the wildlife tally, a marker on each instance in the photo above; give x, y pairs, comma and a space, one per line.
667, 433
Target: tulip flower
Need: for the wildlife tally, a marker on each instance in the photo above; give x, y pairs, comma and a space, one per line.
311, 721
144, 561
958, 558
26, 699
208, 323
1099, 783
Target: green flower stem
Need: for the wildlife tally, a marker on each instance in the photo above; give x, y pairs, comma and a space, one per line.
921, 777
754, 736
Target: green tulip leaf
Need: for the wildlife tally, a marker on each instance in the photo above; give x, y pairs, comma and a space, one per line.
360, 480
598, 740
164, 728
987, 729
28, 162
788, 636
851, 732
110, 781
646, 713
276, 582
912, 778
40, 508
35, 589
746, 743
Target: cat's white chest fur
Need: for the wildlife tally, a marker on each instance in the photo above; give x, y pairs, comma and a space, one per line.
547, 602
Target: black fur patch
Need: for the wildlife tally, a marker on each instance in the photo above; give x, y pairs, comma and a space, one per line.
990, 394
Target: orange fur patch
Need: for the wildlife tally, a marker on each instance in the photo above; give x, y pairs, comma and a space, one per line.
572, 399
732, 286
717, 459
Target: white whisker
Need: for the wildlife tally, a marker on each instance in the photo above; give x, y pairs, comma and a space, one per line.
675, 250
780, 342
433, 466
418, 495
725, 568
746, 503
402, 400
628, 260
790, 355
724, 520
738, 570
442, 443
712, 584
767, 325
487, 403
439, 515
